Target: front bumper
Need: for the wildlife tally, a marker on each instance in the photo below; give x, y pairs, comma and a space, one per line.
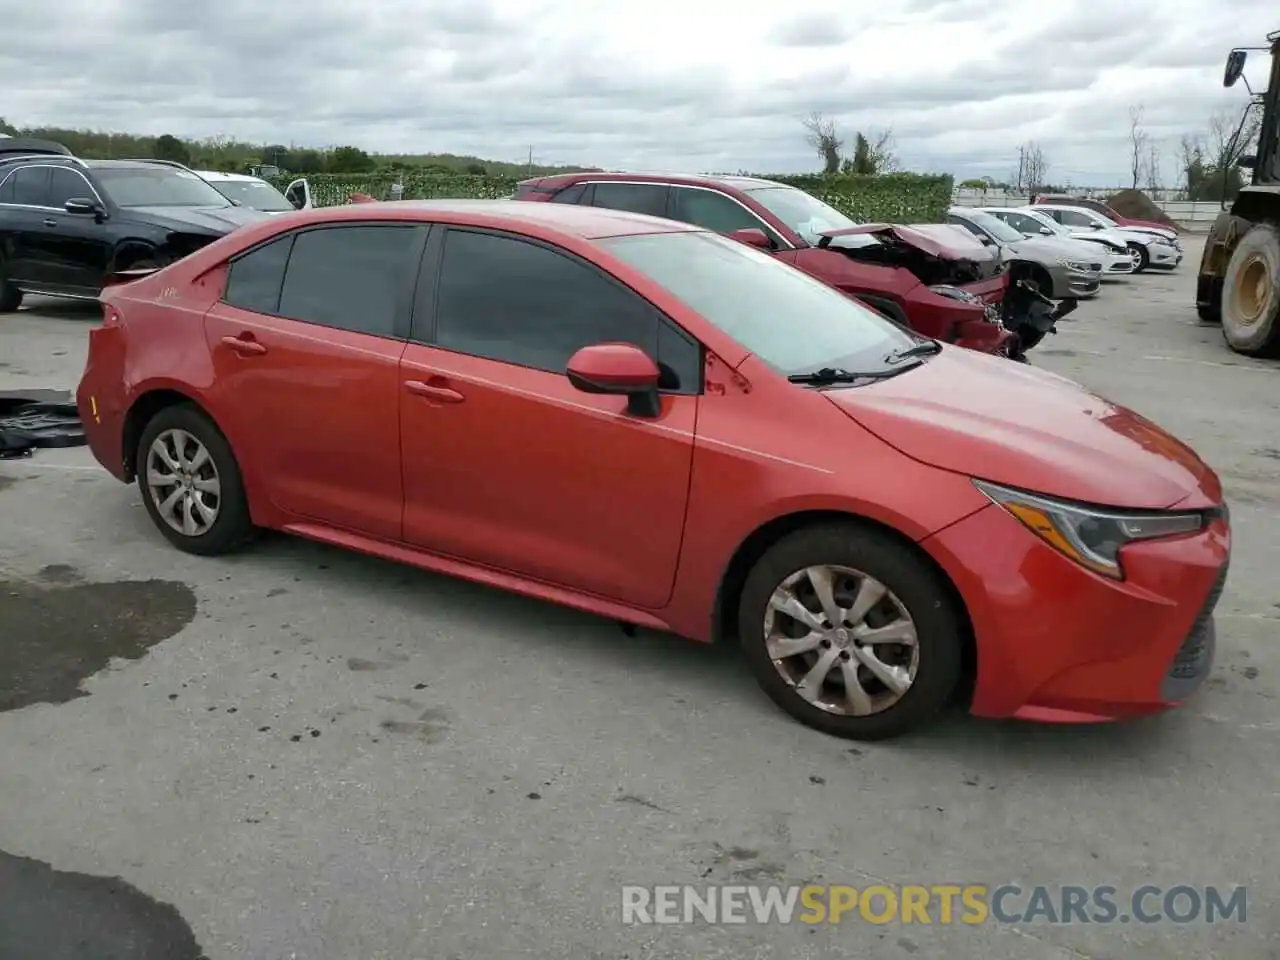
1058, 643
1117, 265
1163, 256
1083, 284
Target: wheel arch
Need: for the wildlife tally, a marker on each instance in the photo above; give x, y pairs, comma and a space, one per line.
753, 547
141, 411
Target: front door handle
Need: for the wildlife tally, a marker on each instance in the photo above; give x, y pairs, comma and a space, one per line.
50, 223
244, 347
434, 391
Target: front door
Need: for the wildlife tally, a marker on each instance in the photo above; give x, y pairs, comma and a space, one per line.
505, 463
306, 348
78, 250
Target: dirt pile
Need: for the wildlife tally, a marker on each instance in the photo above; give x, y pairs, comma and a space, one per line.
1136, 205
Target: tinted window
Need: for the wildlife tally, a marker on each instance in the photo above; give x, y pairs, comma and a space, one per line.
6, 188
711, 211
570, 194
67, 185
350, 278
650, 198
255, 279
522, 303
31, 185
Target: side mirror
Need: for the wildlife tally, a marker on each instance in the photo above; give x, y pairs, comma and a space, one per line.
621, 369
1235, 67
1045, 231
1247, 161
753, 237
83, 207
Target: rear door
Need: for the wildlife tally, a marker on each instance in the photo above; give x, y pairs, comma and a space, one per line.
505, 463
306, 346
27, 220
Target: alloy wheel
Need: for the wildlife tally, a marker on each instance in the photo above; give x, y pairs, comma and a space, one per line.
182, 480
842, 640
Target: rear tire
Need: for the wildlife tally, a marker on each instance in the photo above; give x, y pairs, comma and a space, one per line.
914, 603
191, 484
1141, 259
1251, 293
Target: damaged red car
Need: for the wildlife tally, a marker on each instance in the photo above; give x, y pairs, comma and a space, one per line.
936, 279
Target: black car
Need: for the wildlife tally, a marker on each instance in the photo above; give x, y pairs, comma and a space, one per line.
68, 224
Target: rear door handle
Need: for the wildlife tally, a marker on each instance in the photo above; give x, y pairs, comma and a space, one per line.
244, 347
434, 391
50, 223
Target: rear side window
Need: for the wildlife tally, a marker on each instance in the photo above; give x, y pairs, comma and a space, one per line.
31, 186
351, 277
650, 198
571, 194
6, 188
254, 280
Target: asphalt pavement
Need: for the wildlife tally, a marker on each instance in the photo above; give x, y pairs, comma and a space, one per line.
298, 752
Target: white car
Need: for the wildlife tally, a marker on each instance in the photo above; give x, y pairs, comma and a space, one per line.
1109, 247
1150, 247
252, 192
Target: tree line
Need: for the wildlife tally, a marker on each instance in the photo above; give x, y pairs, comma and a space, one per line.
229, 155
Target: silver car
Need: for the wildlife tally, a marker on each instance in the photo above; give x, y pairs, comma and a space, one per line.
1117, 259
1064, 267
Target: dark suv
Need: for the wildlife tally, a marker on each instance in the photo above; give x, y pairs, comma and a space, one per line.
67, 225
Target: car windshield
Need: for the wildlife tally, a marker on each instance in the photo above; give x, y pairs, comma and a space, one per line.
789, 320
994, 226
257, 194
803, 213
158, 186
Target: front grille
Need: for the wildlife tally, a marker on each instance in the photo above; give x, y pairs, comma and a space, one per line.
1189, 660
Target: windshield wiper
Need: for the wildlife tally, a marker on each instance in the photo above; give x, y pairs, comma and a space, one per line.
829, 375
926, 349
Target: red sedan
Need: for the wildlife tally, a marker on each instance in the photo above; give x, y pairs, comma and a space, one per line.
603, 410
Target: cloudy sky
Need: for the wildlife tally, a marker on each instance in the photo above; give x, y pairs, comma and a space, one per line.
688, 85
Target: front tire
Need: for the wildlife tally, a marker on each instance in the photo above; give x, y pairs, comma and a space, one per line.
1251, 293
1141, 259
851, 632
191, 484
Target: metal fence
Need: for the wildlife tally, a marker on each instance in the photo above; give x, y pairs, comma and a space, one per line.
1192, 213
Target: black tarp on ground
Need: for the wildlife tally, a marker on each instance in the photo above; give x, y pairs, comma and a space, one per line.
30, 419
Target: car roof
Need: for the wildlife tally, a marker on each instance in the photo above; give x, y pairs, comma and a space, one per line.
732, 181
587, 223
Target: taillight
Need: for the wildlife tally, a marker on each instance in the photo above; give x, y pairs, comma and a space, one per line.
110, 316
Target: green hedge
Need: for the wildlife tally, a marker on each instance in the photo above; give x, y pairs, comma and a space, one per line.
895, 197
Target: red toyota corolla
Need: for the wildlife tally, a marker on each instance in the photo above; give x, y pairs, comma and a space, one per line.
672, 429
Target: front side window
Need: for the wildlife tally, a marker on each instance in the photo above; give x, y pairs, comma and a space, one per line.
350, 277
523, 303
650, 198
67, 185
711, 211
1073, 218
157, 186
803, 213
790, 321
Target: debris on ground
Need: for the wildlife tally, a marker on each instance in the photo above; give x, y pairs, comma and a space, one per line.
1136, 205
34, 419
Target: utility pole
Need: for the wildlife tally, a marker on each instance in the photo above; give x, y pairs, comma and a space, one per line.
1022, 166
530, 168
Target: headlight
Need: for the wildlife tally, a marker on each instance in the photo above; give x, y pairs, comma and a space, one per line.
1090, 536
1076, 265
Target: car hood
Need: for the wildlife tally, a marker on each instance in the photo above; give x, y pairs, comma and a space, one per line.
1147, 225
214, 220
1099, 238
990, 418
1048, 248
1143, 235
943, 240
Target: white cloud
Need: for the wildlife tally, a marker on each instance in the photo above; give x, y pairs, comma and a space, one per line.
666, 84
